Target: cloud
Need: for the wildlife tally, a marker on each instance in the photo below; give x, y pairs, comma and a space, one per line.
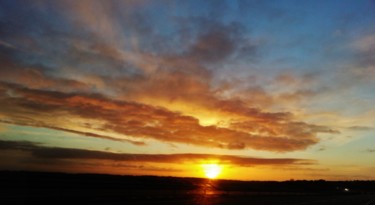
8, 45
55, 153
360, 128
364, 64
17, 145
217, 42
119, 77
2, 128
88, 134
36, 78
125, 120
365, 44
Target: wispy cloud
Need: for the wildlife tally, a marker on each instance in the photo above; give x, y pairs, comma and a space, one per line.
55, 153
360, 128
8, 45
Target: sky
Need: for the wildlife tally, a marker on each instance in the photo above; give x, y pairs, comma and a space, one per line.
267, 90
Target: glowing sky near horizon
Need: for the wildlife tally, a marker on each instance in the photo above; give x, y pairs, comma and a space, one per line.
267, 90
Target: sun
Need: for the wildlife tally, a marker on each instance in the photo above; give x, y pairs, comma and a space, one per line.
211, 170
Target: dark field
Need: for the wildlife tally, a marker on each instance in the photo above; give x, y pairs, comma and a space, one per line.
56, 188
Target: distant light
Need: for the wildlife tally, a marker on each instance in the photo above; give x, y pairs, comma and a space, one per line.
346, 189
211, 170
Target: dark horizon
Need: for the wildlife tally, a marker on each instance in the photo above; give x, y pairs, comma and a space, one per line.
171, 176
24, 187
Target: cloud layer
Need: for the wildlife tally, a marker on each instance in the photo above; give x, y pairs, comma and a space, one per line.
55, 153
123, 119
118, 71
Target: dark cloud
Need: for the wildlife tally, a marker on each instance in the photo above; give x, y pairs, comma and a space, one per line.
56, 153
219, 42
212, 46
17, 145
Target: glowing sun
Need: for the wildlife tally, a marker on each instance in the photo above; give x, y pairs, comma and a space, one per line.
211, 170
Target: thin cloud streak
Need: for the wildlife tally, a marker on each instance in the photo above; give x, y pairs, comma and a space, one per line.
56, 153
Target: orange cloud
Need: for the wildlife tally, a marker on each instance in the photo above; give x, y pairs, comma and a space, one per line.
168, 96
41, 108
35, 77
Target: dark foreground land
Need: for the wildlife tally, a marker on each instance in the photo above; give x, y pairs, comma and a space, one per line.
58, 188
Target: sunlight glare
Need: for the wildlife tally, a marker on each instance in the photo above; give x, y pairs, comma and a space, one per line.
211, 170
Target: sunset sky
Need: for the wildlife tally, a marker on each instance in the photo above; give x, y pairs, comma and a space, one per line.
267, 90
